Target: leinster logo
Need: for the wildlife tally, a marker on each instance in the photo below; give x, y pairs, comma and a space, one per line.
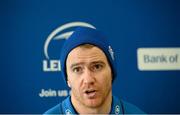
59, 34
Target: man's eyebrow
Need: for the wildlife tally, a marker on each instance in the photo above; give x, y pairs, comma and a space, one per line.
81, 63
95, 62
76, 64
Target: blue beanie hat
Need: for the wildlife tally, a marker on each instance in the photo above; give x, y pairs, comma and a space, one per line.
86, 35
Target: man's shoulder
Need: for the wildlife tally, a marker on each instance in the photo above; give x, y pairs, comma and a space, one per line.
130, 108
54, 110
65, 107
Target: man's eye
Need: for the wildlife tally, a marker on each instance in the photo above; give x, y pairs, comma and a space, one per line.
97, 67
77, 69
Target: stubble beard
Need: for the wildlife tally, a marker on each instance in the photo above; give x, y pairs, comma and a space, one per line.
82, 101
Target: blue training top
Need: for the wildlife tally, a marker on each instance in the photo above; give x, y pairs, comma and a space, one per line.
117, 107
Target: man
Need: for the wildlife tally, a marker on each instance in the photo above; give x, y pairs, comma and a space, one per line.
89, 68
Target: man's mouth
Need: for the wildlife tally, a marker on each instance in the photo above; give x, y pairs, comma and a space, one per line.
90, 93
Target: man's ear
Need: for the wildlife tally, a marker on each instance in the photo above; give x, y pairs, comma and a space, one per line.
69, 84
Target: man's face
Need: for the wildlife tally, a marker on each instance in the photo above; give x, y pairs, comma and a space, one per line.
89, 76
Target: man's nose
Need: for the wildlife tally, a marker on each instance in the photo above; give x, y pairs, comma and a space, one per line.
88, 77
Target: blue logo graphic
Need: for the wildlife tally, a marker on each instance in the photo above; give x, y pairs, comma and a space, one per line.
57, 34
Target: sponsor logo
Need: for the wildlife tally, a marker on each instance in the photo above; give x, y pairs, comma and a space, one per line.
68, 112
150, 59
117, 109
111, 52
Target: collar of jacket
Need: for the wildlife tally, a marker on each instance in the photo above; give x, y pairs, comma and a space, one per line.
116, 106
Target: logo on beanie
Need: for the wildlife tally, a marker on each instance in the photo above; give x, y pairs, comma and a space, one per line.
59, 34
111, 52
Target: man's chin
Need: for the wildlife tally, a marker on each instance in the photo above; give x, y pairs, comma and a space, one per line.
93, 103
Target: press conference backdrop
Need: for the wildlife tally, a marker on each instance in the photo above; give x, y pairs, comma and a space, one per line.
145, 36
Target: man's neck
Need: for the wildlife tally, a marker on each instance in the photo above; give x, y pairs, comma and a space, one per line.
105, 108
